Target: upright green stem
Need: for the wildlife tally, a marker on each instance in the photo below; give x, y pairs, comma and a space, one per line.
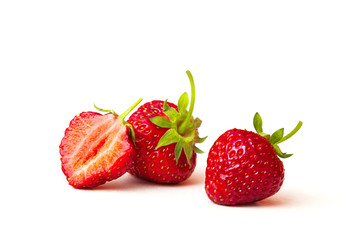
182, 127
123, 115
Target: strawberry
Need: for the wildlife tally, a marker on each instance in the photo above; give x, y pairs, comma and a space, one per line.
165, 136
244, 166
96, 148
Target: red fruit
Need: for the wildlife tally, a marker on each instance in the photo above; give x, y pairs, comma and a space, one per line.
162, 131
243, 166
96, 148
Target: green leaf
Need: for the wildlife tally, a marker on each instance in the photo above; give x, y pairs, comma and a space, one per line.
188, 151
161, 122
183, 103
265, 135
131, 132
197, 123
178, 150
198, 150
280, 153
170, 112
258, 123
285, 155
171, 136
276, 136
166, 106
201, 140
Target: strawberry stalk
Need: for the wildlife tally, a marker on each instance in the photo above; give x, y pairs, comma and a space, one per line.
124, 114
292, 133
182, 127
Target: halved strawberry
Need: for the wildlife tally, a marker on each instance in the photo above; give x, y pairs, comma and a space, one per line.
96, 148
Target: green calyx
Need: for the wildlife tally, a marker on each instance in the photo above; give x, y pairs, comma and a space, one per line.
122, 117
277, 137
182, 127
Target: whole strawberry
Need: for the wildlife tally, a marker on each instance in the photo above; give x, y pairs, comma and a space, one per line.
96, 148
244, 166
165, 136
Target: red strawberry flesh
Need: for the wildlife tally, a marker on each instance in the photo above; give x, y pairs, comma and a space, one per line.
95, 149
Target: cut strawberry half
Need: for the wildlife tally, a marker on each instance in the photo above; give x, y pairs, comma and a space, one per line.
96, 148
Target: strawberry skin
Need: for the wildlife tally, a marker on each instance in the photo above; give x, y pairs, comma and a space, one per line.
242, 167
95, 149
156, 165
165, 136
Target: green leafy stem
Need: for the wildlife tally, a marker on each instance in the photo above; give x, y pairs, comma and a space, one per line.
277, 137
182, 126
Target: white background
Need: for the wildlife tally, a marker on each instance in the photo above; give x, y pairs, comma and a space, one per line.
288, 60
